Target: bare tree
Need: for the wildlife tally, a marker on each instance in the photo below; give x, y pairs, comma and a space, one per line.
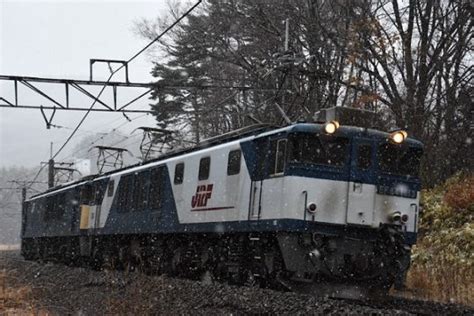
410, 59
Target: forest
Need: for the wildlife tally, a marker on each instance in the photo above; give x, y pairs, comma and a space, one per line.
237, 63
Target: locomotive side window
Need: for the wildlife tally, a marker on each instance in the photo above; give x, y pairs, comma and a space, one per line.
155, 188
204, 168
364, 156
233, 163
179, 173
319, 150
280, 156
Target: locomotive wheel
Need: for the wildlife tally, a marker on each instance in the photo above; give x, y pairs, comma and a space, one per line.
175, 262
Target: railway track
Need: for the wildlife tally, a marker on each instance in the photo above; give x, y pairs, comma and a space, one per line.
56, 288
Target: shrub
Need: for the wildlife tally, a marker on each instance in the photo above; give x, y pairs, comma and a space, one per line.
443, 259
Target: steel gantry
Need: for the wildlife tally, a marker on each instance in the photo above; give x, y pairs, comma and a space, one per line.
78, 85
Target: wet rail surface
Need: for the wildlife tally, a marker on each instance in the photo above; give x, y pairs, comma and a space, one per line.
58, 289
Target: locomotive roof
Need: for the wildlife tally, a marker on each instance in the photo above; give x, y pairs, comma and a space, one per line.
259, 131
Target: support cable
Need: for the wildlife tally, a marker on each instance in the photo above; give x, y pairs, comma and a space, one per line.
103, 136
96, 99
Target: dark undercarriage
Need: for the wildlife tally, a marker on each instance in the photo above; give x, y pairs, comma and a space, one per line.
280, 260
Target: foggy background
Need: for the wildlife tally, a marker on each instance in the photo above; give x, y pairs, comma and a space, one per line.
56, 39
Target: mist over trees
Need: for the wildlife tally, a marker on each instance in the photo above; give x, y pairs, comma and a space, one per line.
411, 61
11, 181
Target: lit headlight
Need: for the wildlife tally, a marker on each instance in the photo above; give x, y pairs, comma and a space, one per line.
398, 137
331, 127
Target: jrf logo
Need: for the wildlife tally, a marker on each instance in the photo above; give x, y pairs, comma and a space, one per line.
203, 194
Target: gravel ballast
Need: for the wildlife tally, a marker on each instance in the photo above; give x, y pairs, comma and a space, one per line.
30, 288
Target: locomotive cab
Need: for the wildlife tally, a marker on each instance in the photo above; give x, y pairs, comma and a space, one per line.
357, 190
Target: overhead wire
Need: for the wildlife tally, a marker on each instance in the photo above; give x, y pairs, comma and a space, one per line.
110, 77
103, 136
122, 66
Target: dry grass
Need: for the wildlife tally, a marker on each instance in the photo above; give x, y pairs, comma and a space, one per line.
17, 299
449, 284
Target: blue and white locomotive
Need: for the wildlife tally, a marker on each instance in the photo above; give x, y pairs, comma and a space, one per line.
308, 203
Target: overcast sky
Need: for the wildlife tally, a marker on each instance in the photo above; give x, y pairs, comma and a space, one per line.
56, 39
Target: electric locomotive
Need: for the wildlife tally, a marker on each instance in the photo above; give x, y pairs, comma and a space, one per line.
295, 206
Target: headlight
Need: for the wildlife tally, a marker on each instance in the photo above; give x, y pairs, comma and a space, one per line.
331, 127
398, 137
395, 216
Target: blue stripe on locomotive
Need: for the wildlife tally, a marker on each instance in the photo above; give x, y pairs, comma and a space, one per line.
67, 225
145, 221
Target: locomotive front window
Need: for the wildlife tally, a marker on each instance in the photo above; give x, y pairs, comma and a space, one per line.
312, 149
280, 156
364, 157
394, 159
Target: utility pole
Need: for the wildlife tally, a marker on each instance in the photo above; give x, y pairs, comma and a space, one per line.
51, 167
285, 80
287, 33
23, 195
23, 211
50, 173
